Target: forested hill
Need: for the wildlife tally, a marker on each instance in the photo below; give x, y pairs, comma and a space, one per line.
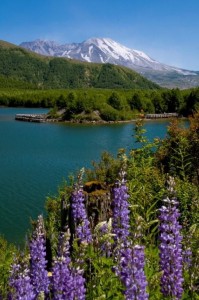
21, 68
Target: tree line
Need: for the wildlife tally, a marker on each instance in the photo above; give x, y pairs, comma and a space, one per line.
110, 104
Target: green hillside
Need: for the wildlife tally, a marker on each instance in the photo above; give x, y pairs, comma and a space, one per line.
24, 69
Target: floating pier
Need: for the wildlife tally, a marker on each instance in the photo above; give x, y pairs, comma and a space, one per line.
41, 118
161, 116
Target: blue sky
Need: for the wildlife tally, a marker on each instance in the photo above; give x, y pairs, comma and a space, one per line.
167, 30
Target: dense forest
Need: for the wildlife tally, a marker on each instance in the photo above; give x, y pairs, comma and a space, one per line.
126, 229
106, 104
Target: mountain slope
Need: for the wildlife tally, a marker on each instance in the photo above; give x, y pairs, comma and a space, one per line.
104, 50
18, 64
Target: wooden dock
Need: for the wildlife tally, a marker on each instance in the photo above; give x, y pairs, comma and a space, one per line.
38, 118
161, 116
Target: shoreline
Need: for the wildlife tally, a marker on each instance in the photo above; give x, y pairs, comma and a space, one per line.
43, 118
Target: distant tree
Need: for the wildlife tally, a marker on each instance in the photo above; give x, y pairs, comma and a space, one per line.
158, 103
136, 102
149, 107
192, 102
71, 96
61, 101
109, 114
175, 101
115, 101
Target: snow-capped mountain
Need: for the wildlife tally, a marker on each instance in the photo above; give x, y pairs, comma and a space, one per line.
105, 50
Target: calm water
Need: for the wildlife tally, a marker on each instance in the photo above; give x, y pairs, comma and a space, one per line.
36, 158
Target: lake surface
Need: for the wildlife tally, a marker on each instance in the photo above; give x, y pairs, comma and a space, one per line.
35, 159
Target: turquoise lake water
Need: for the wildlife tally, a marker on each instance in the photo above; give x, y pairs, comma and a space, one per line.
35, 158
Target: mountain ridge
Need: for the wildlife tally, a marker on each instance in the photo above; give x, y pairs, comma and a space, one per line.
20, 65
106, 50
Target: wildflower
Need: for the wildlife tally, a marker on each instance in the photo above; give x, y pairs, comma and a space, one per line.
79, 284
39, 274
20, 282
131, 272
130, 258
82, 225
62, 280
121, 210
67, 282
170, 250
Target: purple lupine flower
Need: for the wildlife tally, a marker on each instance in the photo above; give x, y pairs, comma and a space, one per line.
39, 274
170, 247
121, 211
131, 272
20, 282
130, 259
82, 225
79, 284
67, 281
62, 279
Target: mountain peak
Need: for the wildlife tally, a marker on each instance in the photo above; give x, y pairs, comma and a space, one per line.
106, 50
99, 50
98, 41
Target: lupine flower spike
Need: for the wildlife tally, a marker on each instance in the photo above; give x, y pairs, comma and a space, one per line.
121, 210
131, 273
62, 279
20, 282
171, 261
82, 225
79, 284
39, 274
130, 257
